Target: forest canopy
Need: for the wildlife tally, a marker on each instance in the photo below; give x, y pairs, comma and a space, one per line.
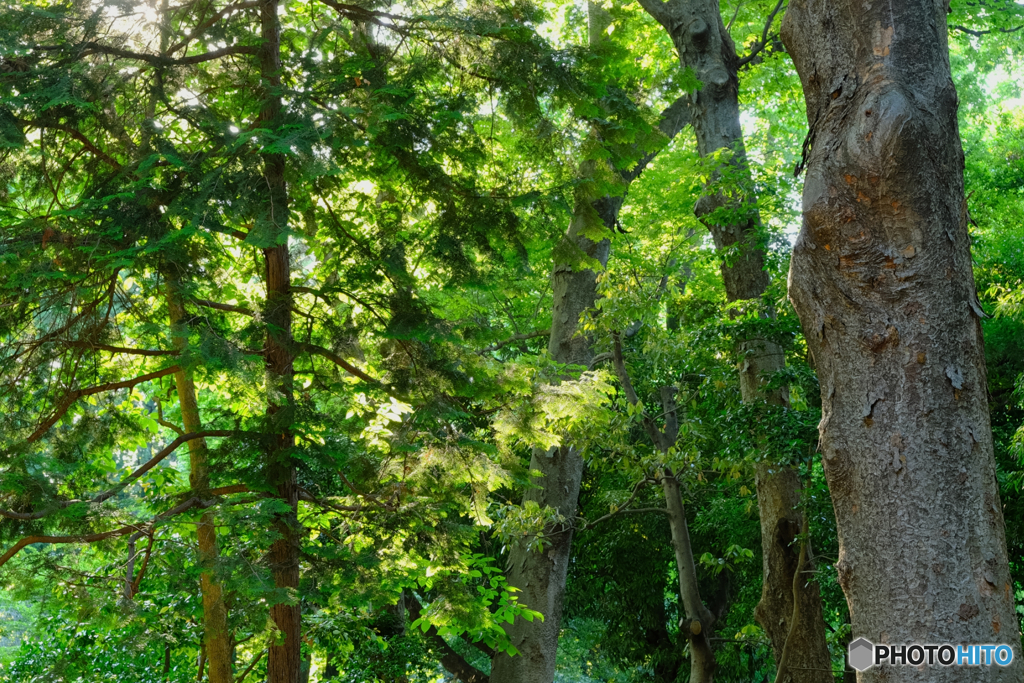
459, 341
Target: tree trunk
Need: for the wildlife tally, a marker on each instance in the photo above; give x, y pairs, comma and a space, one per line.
216, 637
881, 278
541, 576
284, 659
699, 618
731, 215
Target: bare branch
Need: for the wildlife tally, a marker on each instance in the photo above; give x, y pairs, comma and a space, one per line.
979, 34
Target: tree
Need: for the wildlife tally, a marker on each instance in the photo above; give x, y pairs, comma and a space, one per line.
882, 280
790, 608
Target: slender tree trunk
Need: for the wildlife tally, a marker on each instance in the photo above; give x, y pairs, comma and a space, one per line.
881, 278
284, 659
216, 637
731, 215
699, 618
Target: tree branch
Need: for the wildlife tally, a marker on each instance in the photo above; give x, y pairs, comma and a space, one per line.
659, 10
91, 48
451, 660
513, 339
198, 30
223, 307
73, 396
756, 48
674, 118
106, 495
80, 137
120, 349
979, 34
249, 668
92, 538
339, 361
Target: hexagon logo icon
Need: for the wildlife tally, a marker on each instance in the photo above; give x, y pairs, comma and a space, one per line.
861, 654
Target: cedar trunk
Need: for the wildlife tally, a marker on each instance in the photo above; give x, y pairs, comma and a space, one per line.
881, 278
730, 214
284, 660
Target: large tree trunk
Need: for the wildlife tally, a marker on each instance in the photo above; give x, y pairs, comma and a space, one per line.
216, 637
541, 576
284, 660
731, 215
881, 278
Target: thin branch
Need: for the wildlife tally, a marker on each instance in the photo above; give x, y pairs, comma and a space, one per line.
513, 339
224, 307
134, 589
198, 30
339, 361
77, 135
979, 34
73, 396
106, 495
624, 508
120, 349
249, 668
92, 538
756, 48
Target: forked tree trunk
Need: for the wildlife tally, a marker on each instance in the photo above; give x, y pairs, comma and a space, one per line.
730, 214
541, 576
216, 637
284, 660
881, 278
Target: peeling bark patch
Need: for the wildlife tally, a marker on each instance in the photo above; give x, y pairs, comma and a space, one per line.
956, 377
968, 611
882, 40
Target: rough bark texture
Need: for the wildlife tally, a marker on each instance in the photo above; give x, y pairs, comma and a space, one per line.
284, 661
216, 637
881, 278
778, 495
704, 45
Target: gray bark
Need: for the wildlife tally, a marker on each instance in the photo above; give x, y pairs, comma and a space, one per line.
541, 576
881, 278
704, 45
